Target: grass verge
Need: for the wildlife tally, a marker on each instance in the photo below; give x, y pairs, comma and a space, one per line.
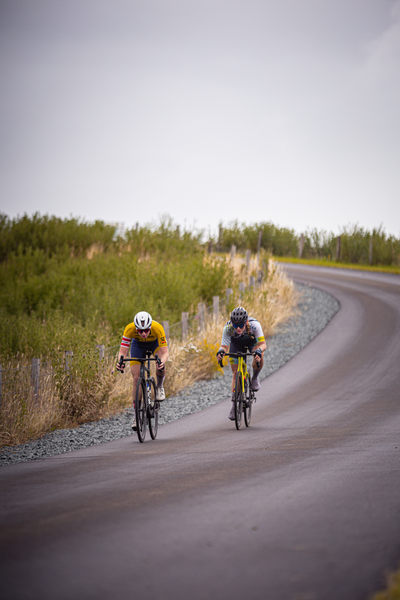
338, 265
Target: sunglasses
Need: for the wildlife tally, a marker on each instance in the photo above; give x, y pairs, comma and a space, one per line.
144, 331
239, 325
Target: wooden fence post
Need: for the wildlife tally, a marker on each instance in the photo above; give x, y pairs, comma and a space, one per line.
338, 247
260, 278
67, 353
229, 292
215, 308
258, 249
233, 252
165, 325
35, 374
248, 257
100, 348
185, 326
301, 245
370, 251
252, 282
202, 316
259, 240
241, 289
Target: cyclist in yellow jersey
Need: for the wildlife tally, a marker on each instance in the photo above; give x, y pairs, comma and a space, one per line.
141, 335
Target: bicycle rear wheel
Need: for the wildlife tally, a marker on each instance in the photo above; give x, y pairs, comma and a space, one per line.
248, 404
141, 409
238, 401
153, 407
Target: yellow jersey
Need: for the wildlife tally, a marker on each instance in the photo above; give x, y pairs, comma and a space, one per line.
156, 333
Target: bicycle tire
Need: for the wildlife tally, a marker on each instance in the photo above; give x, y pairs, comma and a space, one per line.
248, 401
141, 409
152, 408
238, 401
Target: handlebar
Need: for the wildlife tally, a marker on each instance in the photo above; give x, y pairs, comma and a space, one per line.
123, 360
237, 354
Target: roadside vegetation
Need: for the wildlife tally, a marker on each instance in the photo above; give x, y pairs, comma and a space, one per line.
353, 245
66, 285
392, 591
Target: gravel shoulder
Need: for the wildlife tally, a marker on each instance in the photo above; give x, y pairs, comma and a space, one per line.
315, 310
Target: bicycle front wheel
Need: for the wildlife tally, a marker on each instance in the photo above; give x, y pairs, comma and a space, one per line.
153, 408
238, 401
248, 404
141, 409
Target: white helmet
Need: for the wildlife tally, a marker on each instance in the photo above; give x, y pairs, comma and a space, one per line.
142, 320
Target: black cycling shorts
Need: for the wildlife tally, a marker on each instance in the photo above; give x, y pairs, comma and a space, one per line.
238, 345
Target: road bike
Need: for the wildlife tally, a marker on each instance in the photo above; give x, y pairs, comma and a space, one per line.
244, 395
146, 405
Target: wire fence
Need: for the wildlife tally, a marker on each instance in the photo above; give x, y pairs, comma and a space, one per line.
31, 383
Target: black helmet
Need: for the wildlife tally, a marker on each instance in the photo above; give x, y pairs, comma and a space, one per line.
239, 316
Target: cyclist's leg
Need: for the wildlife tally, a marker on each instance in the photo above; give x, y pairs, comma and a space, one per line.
234, 367
255, 381
231, 415
162, 353
136, 351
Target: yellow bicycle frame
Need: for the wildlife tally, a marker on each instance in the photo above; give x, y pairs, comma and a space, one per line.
242, 370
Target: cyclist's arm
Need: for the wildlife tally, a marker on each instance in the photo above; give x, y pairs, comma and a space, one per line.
125, 345
162, 353
224, 348
123, 351
162, 350
261, 345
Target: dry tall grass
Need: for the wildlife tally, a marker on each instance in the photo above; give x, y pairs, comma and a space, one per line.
67, 402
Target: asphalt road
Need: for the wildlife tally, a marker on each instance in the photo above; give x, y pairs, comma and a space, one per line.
303, 505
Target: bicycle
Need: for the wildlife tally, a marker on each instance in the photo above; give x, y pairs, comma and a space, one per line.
146, 405
244, 395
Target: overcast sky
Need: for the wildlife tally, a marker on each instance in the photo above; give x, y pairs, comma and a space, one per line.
207, 110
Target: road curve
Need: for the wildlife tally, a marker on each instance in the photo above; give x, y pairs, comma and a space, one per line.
303, 505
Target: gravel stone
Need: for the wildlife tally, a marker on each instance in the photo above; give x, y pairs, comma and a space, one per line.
315, 310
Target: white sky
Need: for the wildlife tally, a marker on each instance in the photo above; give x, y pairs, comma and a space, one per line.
207, 110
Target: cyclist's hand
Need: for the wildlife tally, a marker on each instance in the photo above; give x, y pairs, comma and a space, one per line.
257, 355
220, 356
160, 365
121, 365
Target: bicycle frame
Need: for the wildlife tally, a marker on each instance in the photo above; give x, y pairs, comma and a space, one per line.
241, 404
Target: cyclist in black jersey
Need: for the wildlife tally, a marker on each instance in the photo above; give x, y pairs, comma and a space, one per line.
242, 333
